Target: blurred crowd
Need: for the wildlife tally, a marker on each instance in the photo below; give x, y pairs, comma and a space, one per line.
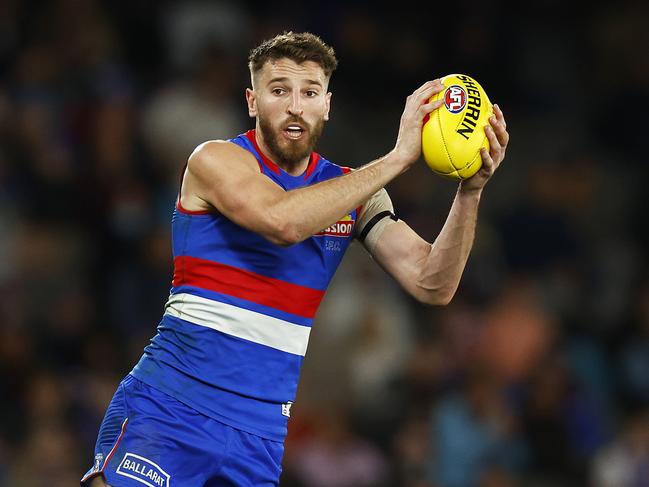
537, 374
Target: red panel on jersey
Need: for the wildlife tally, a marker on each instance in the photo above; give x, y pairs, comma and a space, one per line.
243, 284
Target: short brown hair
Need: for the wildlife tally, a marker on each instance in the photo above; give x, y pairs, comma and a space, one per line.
298, 47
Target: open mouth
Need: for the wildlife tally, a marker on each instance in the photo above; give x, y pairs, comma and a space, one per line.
293, 131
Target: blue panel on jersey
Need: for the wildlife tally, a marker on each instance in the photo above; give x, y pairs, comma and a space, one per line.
239, 382
215, 238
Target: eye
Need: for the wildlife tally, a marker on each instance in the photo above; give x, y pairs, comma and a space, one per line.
278, 91
311, 93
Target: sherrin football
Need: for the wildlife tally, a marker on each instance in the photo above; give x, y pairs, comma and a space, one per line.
453, 135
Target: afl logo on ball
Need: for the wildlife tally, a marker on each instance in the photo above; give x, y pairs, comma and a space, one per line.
455, 99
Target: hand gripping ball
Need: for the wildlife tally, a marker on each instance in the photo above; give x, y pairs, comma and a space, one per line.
454, 133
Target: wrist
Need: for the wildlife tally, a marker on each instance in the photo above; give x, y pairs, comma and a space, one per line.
398, 159
466, 191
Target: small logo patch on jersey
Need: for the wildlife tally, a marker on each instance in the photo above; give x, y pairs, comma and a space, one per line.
286, 409
333, 245
99, 458
143, 470
455, 99
342, 228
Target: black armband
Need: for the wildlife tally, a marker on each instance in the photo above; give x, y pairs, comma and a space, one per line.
373, 221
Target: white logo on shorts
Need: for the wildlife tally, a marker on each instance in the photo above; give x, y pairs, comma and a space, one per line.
99, 457
286, 409
143, 470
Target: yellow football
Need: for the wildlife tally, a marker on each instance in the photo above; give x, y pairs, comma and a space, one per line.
453, 135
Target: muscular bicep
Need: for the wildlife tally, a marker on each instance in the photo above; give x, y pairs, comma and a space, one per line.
227, 177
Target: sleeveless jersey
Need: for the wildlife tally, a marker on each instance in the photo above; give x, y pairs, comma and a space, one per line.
236, 326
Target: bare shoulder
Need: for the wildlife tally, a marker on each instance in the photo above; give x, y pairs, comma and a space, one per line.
215, 155
216, 170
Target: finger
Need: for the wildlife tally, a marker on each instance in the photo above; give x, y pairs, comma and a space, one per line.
499, 115
494, 143
488, 165
436, 88
428, 89
496, 151
499, 129
427, 108
503, 138
423, 87
414, 106
427, 85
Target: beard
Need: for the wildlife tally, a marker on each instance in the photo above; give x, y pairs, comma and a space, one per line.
290, 152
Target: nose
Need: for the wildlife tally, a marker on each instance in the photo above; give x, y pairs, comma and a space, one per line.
295, 104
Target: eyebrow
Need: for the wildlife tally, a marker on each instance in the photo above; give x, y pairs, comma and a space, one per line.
281, 79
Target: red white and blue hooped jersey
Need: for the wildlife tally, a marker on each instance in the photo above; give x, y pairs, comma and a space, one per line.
236, 326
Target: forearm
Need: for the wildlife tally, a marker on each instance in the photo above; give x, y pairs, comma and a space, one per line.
313, 208
442, 268
323, 204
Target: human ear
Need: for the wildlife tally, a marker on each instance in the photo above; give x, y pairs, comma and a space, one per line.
252, 102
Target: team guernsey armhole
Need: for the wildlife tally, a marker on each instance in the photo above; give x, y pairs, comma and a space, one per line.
180, 208
179, 205
378, 215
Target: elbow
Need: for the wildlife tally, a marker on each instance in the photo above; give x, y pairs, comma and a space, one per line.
284, 234
279, 228
443, 299
283, 240
434, 297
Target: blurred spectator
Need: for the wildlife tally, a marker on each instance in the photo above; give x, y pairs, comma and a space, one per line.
562, 424
625, 461
634, 353
411, 449
191, 26
373, 325
209, 105
45, 459
332, 456
473, 430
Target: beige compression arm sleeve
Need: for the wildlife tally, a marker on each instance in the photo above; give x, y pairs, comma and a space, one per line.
377, 214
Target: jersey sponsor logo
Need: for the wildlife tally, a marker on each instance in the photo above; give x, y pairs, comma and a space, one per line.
455, 99
143, 470
286, 409
342, 228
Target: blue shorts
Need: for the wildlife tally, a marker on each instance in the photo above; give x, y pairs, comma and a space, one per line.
150, 438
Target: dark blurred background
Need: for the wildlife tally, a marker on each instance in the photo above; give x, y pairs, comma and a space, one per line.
537, 374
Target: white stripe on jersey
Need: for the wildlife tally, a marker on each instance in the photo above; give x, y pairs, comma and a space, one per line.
239, 322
